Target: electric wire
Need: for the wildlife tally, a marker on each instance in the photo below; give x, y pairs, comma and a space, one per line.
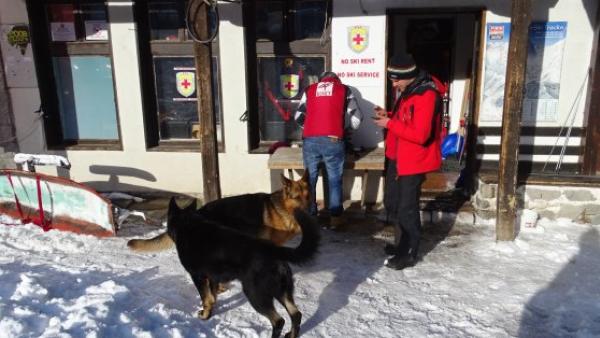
212, 12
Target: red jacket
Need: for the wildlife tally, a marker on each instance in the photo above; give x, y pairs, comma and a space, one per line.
325, 108
413, 133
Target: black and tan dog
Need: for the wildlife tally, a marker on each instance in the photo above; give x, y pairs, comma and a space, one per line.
214, 253
262, 215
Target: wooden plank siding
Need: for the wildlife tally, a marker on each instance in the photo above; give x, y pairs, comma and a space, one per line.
539, 147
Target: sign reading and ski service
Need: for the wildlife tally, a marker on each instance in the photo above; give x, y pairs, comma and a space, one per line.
358, 51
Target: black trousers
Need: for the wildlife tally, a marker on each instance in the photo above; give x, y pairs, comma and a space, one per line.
401, 200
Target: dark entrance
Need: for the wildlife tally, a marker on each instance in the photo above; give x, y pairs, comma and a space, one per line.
446, 44
431, 42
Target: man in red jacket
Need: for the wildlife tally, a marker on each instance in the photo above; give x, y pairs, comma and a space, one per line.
327, 110
412, 148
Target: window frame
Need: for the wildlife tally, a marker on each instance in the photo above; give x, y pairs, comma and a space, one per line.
44, 49
183, 47
255, 48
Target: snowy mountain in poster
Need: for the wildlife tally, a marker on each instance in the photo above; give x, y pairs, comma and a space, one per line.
495, 71
544, 64
547, 83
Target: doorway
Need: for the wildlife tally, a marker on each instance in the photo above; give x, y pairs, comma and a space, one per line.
447, 45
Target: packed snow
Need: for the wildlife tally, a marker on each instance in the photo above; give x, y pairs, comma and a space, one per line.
544, 284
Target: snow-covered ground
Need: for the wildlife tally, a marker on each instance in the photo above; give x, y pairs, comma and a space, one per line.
544, 284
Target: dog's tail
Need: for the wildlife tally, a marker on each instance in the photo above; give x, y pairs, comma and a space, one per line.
158, 243
311, 236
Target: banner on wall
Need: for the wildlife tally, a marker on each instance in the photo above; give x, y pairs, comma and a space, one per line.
496, 46
544, 64
542, 79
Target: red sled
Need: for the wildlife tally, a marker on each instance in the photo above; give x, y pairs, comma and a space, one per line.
55, 203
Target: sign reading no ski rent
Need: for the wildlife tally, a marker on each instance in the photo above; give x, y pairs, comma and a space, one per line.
358, 50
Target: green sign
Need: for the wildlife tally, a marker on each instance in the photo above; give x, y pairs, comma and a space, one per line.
18, 36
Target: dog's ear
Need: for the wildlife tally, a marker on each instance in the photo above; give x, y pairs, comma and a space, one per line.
192, 206
285, 181
173, 207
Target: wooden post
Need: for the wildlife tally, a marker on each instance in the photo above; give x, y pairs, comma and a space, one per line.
208, 141
511, 120
591, 160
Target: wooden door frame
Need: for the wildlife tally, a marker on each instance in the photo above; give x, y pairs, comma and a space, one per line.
471, 166
591, 160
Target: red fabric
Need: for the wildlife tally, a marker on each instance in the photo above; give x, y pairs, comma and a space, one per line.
442, 88
325, 102
413, 136
41, 221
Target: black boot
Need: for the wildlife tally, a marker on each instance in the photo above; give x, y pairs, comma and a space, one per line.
393, 249
400, 262
390, 249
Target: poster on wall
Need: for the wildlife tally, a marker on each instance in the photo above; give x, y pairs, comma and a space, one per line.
358, 56
544, 64
546, 43
498, 35
62, 31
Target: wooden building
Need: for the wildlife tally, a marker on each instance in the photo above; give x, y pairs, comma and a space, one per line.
118, 87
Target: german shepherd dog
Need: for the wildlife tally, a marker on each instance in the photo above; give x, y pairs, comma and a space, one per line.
214, 253
262, 215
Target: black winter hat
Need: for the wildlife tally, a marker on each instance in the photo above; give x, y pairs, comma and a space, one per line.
402, 67
328, 74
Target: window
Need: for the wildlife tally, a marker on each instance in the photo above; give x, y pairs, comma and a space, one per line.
75, 73
287, 51
281, 80
169, 77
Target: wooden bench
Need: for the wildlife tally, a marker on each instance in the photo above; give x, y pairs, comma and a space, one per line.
290, 159
436, 183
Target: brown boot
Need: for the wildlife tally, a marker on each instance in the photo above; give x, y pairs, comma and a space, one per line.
336, 223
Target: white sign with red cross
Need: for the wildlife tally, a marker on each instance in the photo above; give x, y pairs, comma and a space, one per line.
358, 50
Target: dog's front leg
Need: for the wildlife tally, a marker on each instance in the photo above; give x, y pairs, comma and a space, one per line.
207, 296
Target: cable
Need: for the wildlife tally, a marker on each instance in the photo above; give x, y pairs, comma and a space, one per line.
212, 10
326, 25
570, 116
33, 127
568, 135
362, 8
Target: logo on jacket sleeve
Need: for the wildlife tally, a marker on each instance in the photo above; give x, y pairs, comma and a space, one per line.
289, 85
358, 38
186, 83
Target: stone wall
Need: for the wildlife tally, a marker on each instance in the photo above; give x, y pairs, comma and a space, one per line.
575, 203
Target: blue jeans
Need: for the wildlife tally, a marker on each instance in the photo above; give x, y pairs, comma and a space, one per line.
331, 152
